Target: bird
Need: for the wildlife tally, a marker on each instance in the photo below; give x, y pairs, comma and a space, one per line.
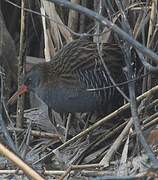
74, 80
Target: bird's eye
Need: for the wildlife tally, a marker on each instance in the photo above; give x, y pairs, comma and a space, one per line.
29, 81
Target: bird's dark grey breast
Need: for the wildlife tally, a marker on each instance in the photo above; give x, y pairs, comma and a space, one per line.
68, 99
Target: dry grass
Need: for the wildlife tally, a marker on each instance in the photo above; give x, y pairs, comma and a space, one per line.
112, 144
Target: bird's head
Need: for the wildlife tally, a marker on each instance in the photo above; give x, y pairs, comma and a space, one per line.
31, 82
32, 79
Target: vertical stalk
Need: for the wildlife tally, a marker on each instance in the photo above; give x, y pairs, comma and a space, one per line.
82, 22
73, 17
98, 9
152, 24
21, 64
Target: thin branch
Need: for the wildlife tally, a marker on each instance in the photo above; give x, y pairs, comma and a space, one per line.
136, 121
79, 167
110, 77
36, 133
85, 173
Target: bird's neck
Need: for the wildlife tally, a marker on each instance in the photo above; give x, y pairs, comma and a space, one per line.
48, 73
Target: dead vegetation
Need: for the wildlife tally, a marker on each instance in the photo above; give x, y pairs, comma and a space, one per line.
122, 144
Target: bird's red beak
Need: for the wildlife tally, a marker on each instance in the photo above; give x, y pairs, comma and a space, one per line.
23, 89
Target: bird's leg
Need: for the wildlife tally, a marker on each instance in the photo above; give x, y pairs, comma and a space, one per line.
89, 115
64, 118
68, 123
51, 118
